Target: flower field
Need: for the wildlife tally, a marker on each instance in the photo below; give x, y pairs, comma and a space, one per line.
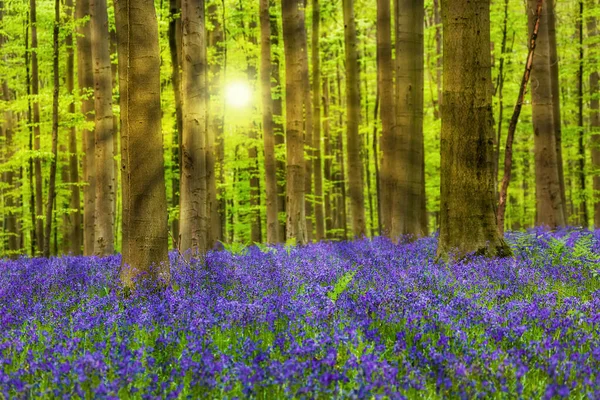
365, 319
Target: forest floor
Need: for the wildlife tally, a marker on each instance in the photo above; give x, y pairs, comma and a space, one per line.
364, 319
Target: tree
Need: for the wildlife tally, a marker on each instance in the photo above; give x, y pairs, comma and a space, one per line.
35, 91
353, 115
467, 201
145, 232
85, 77
293, 29
103, 132
385, 81
594, 85
547, 181
316, 114
193, 200
267, 118
408, 207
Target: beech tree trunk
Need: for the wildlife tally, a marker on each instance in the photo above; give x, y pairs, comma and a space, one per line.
267, 118
594, 85
316, 114
193, 201
104, 147
547, 173
145, 232
308, 130
85, 76
355, 171
328, 156
467, 201
583, 214
293, 30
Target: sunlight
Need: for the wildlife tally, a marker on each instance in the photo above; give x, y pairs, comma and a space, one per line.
238, 94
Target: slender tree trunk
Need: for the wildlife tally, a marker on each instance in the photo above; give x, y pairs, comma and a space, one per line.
293, 30
278, 122
267, 118
215, 125
53, 161
316, 92
548, 192
389, 132
85, 75
175, 52
583, 214
33, 236
104, 148
594, 85
376, 162
366, 148
500, 90
72, 220
355, 171
515, 119
343, 214
116, 144
39, 202
437, 20
145, 232
193, 201
555, 81
328, 155
467, 201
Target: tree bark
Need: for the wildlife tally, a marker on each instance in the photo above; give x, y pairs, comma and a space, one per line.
547, 172
328, 155
583, 214
316, 113
308, 130
293, 30
355, 170
145, 232
267, 118
594, 85
467, 201
104, 147
85, 75
193, 201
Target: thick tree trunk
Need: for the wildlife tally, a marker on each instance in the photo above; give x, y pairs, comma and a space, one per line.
145, 232
85, 75
316, 114
293, 30
193, 201
385, 81
39, 202
594, 84
53, 161
555, 82
175, 52
467, 201
547, 172
104, 149
267, 118
357, 198
215, 125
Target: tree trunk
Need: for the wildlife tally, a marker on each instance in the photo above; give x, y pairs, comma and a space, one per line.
215, 125
175, 52
39, 202
316, 113
328, 160
308, 130
85, 75
467, 201
341, 180
408, 204
388, 118
547, 172
193, 201
267, 117
357, 200
33, 236
555, 82
145, 232
583, 214
594, 82
104, 148
293, 30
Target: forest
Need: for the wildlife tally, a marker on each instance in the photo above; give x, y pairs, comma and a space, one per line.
300, 199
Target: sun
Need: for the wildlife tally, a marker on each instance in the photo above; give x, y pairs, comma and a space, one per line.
238, 94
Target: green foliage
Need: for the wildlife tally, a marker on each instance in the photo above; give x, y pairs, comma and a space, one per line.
341, 285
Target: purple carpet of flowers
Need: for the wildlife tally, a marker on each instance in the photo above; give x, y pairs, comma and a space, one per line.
364, 319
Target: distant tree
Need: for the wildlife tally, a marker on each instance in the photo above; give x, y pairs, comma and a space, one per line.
594, 85
193, 200
293, 30
145, 232
35, 91
467, 201
104, 149
547, 172
355, 171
